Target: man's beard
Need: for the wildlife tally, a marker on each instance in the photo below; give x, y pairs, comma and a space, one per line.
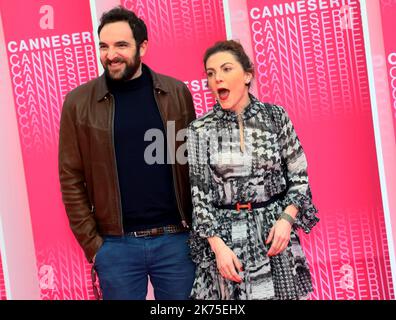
129, 71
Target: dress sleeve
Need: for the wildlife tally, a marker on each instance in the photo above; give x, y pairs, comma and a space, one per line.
299, 192
204, 221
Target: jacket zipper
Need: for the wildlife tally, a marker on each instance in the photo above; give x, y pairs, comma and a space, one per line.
115, 162
184, 221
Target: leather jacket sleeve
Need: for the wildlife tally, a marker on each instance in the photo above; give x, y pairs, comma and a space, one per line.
189, 106
72, 181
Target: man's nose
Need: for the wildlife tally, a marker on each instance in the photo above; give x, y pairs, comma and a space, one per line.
111, 53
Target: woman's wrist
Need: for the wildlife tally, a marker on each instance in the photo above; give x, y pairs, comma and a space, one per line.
291, 210
287, 217
216, 243
289, 214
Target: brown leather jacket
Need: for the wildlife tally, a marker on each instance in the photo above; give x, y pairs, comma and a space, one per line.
87, 164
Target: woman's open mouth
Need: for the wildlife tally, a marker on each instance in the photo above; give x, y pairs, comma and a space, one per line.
223, 93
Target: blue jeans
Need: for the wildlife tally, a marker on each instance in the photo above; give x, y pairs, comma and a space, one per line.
124, 263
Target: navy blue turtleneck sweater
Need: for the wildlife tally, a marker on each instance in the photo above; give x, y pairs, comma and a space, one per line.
147, 191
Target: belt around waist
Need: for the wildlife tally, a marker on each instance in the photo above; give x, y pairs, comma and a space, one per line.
172, 228
252, 205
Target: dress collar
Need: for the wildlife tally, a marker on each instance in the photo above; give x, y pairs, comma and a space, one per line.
251, 109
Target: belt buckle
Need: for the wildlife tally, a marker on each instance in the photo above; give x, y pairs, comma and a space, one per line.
137, 235
156, 231
247, 206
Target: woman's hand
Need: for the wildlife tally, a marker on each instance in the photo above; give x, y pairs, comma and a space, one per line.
280, 232
280, 237
226, 260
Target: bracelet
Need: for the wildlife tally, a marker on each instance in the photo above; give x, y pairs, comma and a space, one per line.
287, 217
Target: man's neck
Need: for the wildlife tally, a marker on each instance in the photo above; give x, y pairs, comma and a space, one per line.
138, 73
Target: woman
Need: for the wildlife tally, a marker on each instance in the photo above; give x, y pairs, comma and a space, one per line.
249, 188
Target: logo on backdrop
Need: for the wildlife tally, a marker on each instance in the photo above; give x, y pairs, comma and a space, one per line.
46, 275
392, 76
43, 71
203, 98
47, 20
346, 281
284, 34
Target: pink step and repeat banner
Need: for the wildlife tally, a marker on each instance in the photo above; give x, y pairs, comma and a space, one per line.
50, 51
2, 285
309, 56
179, 32
388, 14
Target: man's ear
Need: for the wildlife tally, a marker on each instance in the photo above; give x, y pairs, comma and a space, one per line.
143, 48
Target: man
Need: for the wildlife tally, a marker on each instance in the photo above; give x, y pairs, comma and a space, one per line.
130, 217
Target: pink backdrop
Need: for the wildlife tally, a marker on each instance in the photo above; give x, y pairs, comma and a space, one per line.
41, 76
179, 32
388, 14
310, 58
311, 61
2, 285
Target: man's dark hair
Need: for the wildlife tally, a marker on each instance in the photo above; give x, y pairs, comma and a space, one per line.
119, 13
233, 47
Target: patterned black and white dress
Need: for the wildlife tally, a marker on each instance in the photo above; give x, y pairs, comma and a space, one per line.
248, 158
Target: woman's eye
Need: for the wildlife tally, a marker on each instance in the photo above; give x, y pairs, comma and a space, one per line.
210, 74
227, 69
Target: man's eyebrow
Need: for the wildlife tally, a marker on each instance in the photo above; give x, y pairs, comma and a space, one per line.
101, 43
122, 42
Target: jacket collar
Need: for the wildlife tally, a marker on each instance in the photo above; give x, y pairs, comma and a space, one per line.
158, 82
251, 109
